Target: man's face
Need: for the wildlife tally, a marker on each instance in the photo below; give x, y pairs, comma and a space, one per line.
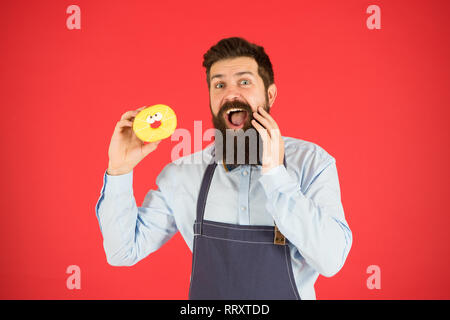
236, 91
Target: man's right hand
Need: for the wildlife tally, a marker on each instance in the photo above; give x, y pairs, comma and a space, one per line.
126, 150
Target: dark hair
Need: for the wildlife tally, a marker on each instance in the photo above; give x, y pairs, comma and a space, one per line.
238, 47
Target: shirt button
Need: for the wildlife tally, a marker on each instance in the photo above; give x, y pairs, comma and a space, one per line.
243, 208
245, 173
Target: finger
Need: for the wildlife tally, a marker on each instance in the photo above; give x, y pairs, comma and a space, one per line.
266, 115
132, 113
263, 121
275, 133
262, 131
265, 141
154, 142
271, 131
129, 115
150, 147
274, 130
124, 123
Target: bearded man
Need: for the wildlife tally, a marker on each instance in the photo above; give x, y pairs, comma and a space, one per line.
262, 215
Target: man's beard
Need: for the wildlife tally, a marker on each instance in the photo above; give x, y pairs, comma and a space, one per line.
242, 146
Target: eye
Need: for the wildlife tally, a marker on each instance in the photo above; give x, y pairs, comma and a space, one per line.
245, 82
219, 85
157, 116
150, 119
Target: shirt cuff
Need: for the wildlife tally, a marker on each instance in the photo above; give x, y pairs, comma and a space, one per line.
274, 179
119, 184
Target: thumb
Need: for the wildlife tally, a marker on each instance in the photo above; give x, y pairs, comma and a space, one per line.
150, 147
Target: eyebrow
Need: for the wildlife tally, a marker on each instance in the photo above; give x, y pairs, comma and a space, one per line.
236, 74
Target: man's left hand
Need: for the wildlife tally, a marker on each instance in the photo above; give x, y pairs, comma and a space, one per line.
273, 144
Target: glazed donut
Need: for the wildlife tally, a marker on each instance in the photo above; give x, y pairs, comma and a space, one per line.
155, 123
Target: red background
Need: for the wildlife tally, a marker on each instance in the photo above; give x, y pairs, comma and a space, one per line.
377, 100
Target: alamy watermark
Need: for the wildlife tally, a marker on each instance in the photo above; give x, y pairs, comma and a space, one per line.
74, 280
374, 280
74, 20
231, 146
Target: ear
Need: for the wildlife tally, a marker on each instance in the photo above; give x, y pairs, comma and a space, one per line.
272, 94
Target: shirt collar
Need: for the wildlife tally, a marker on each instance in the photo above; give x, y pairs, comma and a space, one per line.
227, 166
230, 166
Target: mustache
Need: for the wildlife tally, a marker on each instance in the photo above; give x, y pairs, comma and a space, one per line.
235, 104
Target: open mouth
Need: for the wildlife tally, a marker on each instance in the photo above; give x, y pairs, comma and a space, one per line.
155, 124
236, 118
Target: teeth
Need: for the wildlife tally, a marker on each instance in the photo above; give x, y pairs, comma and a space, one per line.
234, 109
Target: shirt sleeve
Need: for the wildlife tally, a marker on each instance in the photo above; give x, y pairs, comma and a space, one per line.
131, 233
312, 220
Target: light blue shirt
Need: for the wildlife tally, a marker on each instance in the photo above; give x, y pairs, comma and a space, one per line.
303, 200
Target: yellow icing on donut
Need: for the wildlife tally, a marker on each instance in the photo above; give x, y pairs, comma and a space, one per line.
142, 124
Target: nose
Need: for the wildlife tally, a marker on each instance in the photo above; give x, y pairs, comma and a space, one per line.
232, 93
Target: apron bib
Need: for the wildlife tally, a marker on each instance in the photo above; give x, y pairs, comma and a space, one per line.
238, 262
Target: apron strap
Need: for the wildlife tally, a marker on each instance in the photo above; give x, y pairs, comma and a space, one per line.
204, 189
